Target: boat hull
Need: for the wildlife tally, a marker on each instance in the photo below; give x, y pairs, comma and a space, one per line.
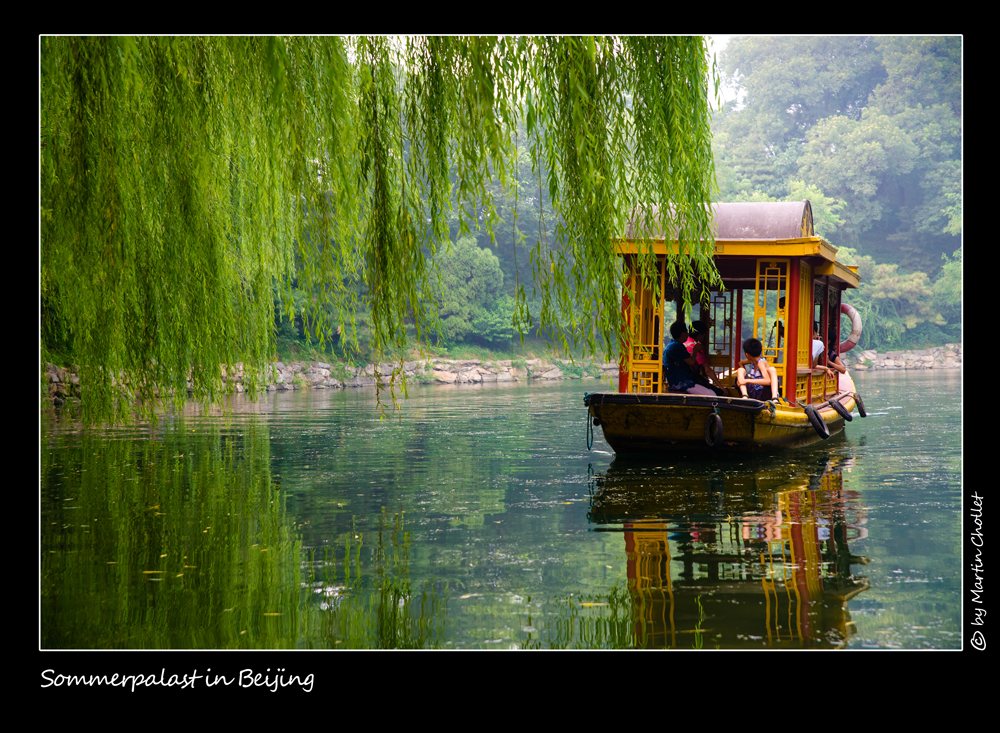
644, 423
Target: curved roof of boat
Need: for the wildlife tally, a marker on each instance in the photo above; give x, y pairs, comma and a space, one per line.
750, 221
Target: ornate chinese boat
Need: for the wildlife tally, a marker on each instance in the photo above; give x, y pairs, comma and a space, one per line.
788, 281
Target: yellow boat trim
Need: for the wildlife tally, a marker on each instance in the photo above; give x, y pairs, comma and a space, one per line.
798, 247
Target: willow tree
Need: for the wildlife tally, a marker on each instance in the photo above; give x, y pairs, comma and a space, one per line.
182, 177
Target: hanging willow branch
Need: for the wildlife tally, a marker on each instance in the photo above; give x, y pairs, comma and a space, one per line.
182, 178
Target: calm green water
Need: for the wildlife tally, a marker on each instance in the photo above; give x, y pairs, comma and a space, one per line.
479, 519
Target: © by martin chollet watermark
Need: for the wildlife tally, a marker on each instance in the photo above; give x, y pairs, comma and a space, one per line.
975, 588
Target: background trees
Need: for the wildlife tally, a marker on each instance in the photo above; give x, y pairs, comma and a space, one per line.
869, 130
471, 282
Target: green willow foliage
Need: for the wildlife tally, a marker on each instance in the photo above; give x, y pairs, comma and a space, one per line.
181, 176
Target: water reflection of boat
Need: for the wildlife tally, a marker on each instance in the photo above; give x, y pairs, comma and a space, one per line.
789, 281
749, 559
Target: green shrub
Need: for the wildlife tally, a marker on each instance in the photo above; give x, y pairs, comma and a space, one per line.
339, 371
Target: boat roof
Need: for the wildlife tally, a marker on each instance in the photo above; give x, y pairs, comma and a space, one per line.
743, 221
752, 229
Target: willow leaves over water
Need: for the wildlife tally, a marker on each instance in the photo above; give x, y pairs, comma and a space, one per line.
182, 178
621, 128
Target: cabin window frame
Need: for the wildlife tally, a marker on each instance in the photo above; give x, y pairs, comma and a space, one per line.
645, 318
777, 270
720, 311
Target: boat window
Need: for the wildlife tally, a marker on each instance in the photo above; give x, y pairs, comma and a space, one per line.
770, 308
718, 312
646, 317
833, 319
818, 300
826, 313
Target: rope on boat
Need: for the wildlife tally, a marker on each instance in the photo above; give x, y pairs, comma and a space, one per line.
590, 423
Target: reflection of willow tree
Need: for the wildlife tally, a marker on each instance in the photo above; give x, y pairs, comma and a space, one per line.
596, 621
175, 542
374, 610
183, 541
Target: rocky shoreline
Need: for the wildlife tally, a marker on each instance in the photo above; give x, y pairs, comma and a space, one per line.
948, 356
320, 375
63, 384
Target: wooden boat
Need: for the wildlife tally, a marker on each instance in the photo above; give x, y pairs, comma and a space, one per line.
771, 263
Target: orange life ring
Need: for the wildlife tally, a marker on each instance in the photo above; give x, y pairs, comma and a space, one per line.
855, 336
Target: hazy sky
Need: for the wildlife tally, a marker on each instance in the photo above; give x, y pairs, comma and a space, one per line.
715, 46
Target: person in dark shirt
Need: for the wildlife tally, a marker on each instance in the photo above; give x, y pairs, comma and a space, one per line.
679, 365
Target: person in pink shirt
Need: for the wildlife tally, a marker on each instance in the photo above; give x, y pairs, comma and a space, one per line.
697, 345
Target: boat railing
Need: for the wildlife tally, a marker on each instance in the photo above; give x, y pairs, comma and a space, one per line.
821, 385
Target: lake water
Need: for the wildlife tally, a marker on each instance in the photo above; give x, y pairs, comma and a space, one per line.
476, 518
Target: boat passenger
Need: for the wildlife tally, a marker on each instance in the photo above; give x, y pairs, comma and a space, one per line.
779, 326
678, 364
844, 381
697, 345
818, 347
755, 377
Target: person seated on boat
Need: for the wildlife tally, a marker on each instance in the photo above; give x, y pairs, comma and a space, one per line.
818, 347
778, 326
679, 366
844, 381
755, 377
697, 346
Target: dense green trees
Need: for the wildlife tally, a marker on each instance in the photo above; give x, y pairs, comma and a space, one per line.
901, 308
869, 130
872, 122
471, 282
176, 174
789, 84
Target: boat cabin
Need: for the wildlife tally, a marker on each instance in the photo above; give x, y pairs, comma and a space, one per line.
779, 279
